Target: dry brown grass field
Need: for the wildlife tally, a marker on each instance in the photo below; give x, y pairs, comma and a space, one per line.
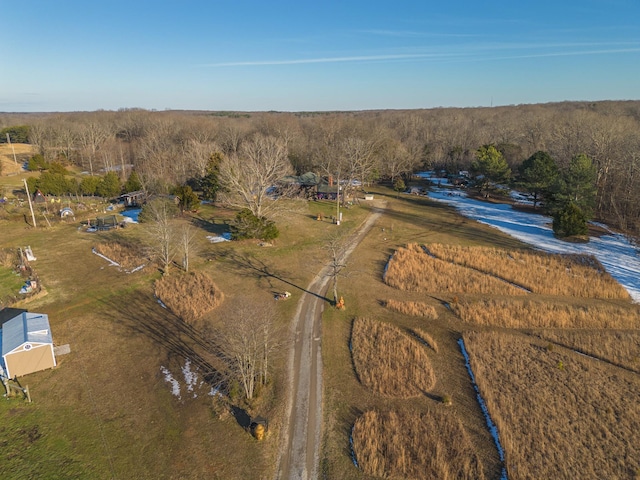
559, 414
618, 347
188, 295
389, 361
23, 153
128, 256
518, 313
426, 337
417, 309
412, 269
414, 444
543, 273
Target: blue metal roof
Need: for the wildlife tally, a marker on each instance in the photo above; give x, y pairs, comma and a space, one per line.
26, 327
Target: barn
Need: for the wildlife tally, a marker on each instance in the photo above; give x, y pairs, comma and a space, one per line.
27, 344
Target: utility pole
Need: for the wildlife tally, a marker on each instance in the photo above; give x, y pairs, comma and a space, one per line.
13, 149
338, 202
33, 217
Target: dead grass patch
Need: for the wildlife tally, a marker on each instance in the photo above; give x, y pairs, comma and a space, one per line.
538, 314
388, 361
426, 338
409, 444
558, 414
416, 309
412, 269
126, 255
619, 347
189, 295
543, 273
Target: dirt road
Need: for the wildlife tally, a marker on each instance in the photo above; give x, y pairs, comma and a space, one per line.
300, 447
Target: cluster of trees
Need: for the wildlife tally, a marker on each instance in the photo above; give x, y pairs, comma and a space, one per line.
177, 148
569, 193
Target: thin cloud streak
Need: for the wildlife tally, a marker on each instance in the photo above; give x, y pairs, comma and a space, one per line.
439, 56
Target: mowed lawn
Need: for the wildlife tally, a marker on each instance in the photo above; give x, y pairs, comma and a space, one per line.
106, 410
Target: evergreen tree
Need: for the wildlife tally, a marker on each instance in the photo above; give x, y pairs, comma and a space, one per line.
109, 185
570, 221
209, 183
246, 225
188, 199
133, 183
537, 174
489, 167
577, 185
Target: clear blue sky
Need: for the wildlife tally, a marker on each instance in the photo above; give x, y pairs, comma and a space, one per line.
62, 55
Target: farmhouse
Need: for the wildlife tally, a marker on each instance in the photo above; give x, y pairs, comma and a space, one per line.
27, 344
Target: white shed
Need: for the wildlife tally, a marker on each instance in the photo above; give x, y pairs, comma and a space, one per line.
27, 344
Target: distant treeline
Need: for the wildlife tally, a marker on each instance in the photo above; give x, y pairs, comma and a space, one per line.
168, 148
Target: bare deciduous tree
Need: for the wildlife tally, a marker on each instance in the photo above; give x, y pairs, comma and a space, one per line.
161, 230
248, 341
247, 177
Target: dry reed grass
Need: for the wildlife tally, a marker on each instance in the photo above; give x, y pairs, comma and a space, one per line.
411, 269
426, 338
388, 361
538, 314
618, 347
408, 444
558, 414
416, 309
543, 273
127, 256
188, 295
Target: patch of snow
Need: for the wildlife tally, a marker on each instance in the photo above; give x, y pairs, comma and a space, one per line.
190, 376
175, 386
111, 262
353, 452
225, 237
614, 251
161, 303
492, 427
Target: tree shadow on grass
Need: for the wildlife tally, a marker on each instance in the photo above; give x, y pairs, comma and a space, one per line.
254, 268
145, 316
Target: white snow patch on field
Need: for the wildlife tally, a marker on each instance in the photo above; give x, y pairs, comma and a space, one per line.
618, 256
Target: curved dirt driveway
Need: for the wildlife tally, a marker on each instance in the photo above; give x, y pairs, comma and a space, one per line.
301, 434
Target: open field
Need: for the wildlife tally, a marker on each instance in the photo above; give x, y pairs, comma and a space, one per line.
538, 272
108, 410
389, 361
11, 165
516, 313
414, 270
414, 445
559, 414
621, 347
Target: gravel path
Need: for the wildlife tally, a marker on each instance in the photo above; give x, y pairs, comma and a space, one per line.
300, 448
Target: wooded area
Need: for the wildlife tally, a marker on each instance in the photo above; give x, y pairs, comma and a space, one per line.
170, 148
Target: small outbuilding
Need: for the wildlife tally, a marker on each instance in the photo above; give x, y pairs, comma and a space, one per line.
27, 344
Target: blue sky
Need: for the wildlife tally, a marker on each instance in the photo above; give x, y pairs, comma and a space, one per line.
61, 55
